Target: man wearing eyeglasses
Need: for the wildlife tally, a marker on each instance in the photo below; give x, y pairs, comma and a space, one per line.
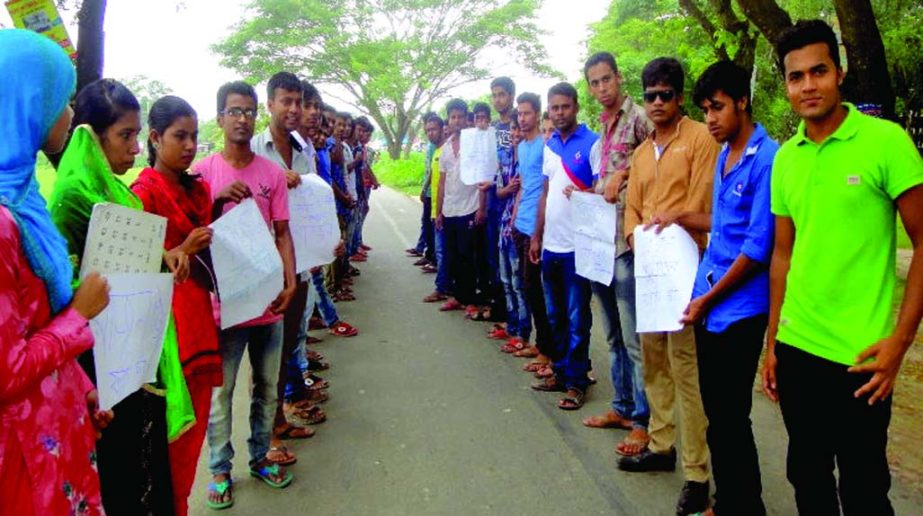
671, 183
235, 174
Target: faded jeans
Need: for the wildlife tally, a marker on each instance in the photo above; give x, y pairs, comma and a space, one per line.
617, 304
518, 318
567, 299
264, 347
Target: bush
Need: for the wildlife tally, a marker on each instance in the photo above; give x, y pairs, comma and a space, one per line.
405, 175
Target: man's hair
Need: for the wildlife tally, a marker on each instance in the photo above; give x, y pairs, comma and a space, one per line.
343, 115
481, 107
310, 92
532, 99
725, 76
285, 80
514, 118
804, 33
327, 107
563, 88
504, 82
664, 70
599, 58
546, 116
434, 118
235, 87
364, 122
456, 105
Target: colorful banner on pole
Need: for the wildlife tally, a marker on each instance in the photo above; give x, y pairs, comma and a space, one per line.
42, 16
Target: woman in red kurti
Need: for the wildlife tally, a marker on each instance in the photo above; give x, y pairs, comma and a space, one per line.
167, 189
47, 403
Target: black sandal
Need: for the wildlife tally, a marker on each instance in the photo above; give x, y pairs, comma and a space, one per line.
572, 402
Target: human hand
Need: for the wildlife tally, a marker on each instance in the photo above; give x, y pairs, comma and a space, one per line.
615, 185
535, 250
483, 186
92, 296
661, 221
198, 239
438, 222
292, 179
695, 311
480, 217
99, 418
769, 370
887, 355
234, 192
569, 189
280, 303
178, 263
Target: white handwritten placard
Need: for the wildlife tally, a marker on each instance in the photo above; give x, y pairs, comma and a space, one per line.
129, 334
247, 264
665, 268
594, 239
478, 155
122, 239
313, 222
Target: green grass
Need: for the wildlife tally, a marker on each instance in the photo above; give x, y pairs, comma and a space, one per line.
405, 175
45, 174
903, 241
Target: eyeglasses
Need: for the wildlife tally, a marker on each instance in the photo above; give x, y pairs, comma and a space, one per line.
236, 112
665, 95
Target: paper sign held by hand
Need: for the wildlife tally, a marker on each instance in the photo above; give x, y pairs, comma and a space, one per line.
129, 334
247, 264
478, 155
594, 239
122, 239
665, 269
313, 222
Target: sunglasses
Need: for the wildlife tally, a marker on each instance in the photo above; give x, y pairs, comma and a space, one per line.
665, 95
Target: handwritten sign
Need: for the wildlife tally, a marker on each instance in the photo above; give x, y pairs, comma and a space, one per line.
247, 264
122, 239
129, 334
665, 268
313, 222
594, 239
478, 155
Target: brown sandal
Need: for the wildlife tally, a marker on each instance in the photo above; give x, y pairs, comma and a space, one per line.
633, 444
290, 431
287, 458
573, 400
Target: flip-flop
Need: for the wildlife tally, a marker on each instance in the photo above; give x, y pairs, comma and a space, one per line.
527, 352
628, 441
533, 367
267, 470
289, 459
294, 432
513, 346
220, 488
572, 401
549, 385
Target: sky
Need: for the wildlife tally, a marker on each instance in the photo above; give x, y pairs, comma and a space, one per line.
169, 40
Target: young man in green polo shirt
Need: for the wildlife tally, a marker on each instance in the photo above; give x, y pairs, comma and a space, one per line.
833, 350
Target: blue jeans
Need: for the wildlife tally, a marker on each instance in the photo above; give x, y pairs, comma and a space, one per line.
425, 242
518, 317
567, 299
298, 362
442, 268
264, 345
617, 303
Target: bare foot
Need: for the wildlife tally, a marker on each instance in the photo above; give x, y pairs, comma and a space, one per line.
634, 443
608, 420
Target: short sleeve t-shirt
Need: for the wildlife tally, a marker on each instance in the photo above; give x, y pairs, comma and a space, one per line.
574, 162
435, 178
459, 199
531, 160
840, 196
270, 191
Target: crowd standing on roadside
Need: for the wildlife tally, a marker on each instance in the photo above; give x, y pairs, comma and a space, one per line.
775, 225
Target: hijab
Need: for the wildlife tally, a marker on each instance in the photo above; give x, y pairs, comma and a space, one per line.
38, 80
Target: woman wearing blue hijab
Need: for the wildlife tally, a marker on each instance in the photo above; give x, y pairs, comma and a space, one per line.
48, 411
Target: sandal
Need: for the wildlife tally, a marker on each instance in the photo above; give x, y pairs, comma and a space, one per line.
545, 372
429, 269
513, 345
420, 262
309, 414
608, 420
357, 258
573, 400
435, 297
343, 329
534, 366
314, 355
315, 397
222, 489
313, 340
450, 306
343, 297
499, 334
287, 458
527, 352
290, 431
317, 365
353, 272
477, 314
315, 323
266, 472
412, 252
633, 444
314, 382
549, 385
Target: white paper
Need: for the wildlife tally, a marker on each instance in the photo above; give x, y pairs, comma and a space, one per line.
247, 264
665, 269
122, 239
313, 222
129, 334
478, 155
594, 240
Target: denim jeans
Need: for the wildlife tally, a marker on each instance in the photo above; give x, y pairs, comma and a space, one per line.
298, 362
425, 242
264, 346
617, 303
443, 285
487, 248
352, 227
518, 318
567, 298
531, 277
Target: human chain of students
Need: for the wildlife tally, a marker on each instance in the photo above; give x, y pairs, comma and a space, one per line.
737, 241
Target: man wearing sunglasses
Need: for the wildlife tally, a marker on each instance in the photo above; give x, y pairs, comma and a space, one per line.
672, 177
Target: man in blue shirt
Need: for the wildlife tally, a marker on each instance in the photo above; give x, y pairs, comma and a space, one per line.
730, 302
571, 160
531, 154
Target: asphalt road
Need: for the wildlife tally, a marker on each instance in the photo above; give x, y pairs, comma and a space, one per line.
427, 417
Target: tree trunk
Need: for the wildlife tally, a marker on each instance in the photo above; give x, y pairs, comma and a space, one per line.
91, 39
394, 149
867, 78
768, 17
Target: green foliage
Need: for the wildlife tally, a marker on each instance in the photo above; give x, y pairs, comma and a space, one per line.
393, 57
45, 175
405, 175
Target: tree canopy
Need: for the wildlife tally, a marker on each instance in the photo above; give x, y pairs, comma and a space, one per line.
394, 58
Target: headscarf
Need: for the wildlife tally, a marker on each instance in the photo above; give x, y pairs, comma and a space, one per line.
38, 80
84, 179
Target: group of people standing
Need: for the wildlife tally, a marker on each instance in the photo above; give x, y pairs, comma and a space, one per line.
61, 454
781, 262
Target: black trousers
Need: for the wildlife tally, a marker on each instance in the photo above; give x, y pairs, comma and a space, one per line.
427, 231
459, 236
534, 293
727, 368
828, 427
